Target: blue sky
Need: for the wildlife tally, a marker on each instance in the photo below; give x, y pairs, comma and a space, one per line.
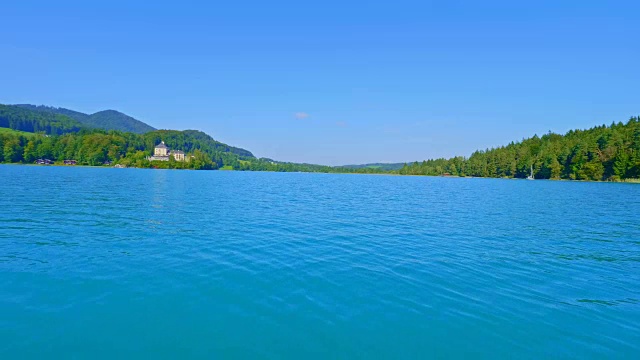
332, 82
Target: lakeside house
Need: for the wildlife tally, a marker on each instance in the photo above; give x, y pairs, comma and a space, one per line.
178, 155
44, 162
70, 162
162, 153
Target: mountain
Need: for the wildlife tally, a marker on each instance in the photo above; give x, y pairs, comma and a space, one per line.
379, 166
115, 120
106, 119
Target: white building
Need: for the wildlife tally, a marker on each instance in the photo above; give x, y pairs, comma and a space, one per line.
178, 155
161, 150
162, 153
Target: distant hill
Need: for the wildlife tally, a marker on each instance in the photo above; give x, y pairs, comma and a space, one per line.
107, 119
378, 166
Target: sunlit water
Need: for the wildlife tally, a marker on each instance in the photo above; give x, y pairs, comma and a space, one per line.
106, 263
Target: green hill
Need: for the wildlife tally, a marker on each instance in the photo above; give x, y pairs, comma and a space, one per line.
191, 140
107, 119
27, 119
22, 119
14, 132
380, 166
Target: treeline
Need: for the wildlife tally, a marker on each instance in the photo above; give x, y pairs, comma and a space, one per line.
41, 119
264, 165
16, 118
60, 136
106, 119
190, 140
97, 147
601, 153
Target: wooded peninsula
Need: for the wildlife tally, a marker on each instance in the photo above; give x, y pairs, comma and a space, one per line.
29, 133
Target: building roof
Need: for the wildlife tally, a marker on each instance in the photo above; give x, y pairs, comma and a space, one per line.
161, 145
177, 152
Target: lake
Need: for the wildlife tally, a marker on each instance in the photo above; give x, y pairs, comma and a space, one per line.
111, 263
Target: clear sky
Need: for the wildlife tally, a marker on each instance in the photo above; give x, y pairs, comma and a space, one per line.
332, 82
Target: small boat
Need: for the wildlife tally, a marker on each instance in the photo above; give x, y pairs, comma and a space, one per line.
530, 177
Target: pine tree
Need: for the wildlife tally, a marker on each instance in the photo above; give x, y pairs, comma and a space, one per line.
621, 164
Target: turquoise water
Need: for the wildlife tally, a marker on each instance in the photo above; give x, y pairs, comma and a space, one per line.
106, 263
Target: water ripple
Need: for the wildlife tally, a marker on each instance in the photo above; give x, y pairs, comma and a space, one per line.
227, 264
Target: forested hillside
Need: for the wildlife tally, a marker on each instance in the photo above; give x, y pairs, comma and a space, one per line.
16, 118
95, 147
41, 132
189, 140
107, 119
601, 153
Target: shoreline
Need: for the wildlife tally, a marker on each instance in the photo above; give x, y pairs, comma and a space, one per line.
625, 181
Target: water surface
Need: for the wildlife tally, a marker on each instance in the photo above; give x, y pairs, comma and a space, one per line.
105, 263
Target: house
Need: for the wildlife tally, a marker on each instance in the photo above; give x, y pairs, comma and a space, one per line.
70, 162
44, 162
178, 155
162, 153
161, 150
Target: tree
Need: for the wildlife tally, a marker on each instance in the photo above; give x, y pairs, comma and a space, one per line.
593, 170
551, 168
12, 150
621, 164
29, 153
